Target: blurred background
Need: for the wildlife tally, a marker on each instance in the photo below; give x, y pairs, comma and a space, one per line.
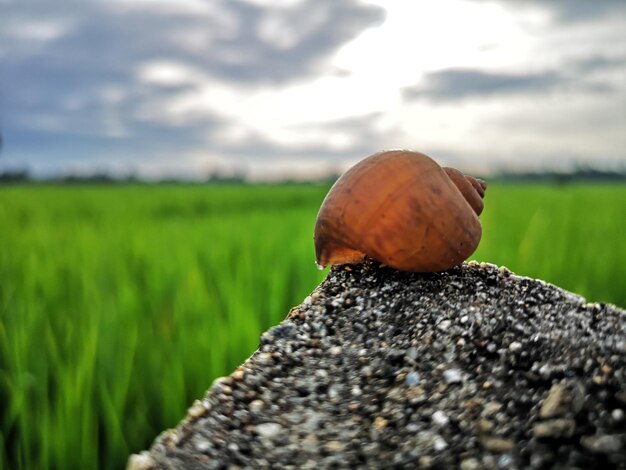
162, 163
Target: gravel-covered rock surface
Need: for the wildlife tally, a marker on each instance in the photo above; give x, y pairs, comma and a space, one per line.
471, 368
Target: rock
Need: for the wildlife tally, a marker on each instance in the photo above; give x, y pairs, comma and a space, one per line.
563, 397
439, 418
605, 444
470, 368
334, 446
452, 376
470, 464
141, 461
413, 378
515, 346
380, 423
496, 444
554, 428
268, 430
485, 426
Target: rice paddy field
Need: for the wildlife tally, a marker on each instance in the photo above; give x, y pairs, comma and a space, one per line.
119, 305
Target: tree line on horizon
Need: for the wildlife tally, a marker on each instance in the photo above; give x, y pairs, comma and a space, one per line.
578, 173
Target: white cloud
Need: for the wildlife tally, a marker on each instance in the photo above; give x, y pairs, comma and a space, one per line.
415, 39
284, 28
169, 73
37, 30
275, 3
419, 37
164, 7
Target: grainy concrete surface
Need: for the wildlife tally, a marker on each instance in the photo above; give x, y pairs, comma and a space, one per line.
470, 368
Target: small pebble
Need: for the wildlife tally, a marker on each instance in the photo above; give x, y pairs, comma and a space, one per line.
440, 418
470, 464
505, 460
334, 446
380, 423
485, 426
256, 405
268, 430
617, 415
554, 428
496, 444
603, 444
452, 376
412, 378
555, 402
197, 409
439, 443
335, 351
141, 461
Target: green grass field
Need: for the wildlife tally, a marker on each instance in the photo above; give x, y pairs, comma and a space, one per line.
119, 305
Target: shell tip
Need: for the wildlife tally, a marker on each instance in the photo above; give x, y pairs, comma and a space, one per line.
319, 266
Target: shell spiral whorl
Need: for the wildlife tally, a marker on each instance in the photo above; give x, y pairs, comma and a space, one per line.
400, 208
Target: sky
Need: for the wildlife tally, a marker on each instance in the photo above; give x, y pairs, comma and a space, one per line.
301, 88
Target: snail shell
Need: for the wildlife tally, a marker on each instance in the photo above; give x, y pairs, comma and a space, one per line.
402, 209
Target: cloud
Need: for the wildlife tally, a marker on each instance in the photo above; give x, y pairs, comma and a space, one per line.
93, 76
591, 74
231, 39
460, 83
558, 101
155, 84
582, 10
345, 138
571, 11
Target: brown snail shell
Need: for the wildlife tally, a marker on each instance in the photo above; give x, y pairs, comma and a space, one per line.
400, 208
